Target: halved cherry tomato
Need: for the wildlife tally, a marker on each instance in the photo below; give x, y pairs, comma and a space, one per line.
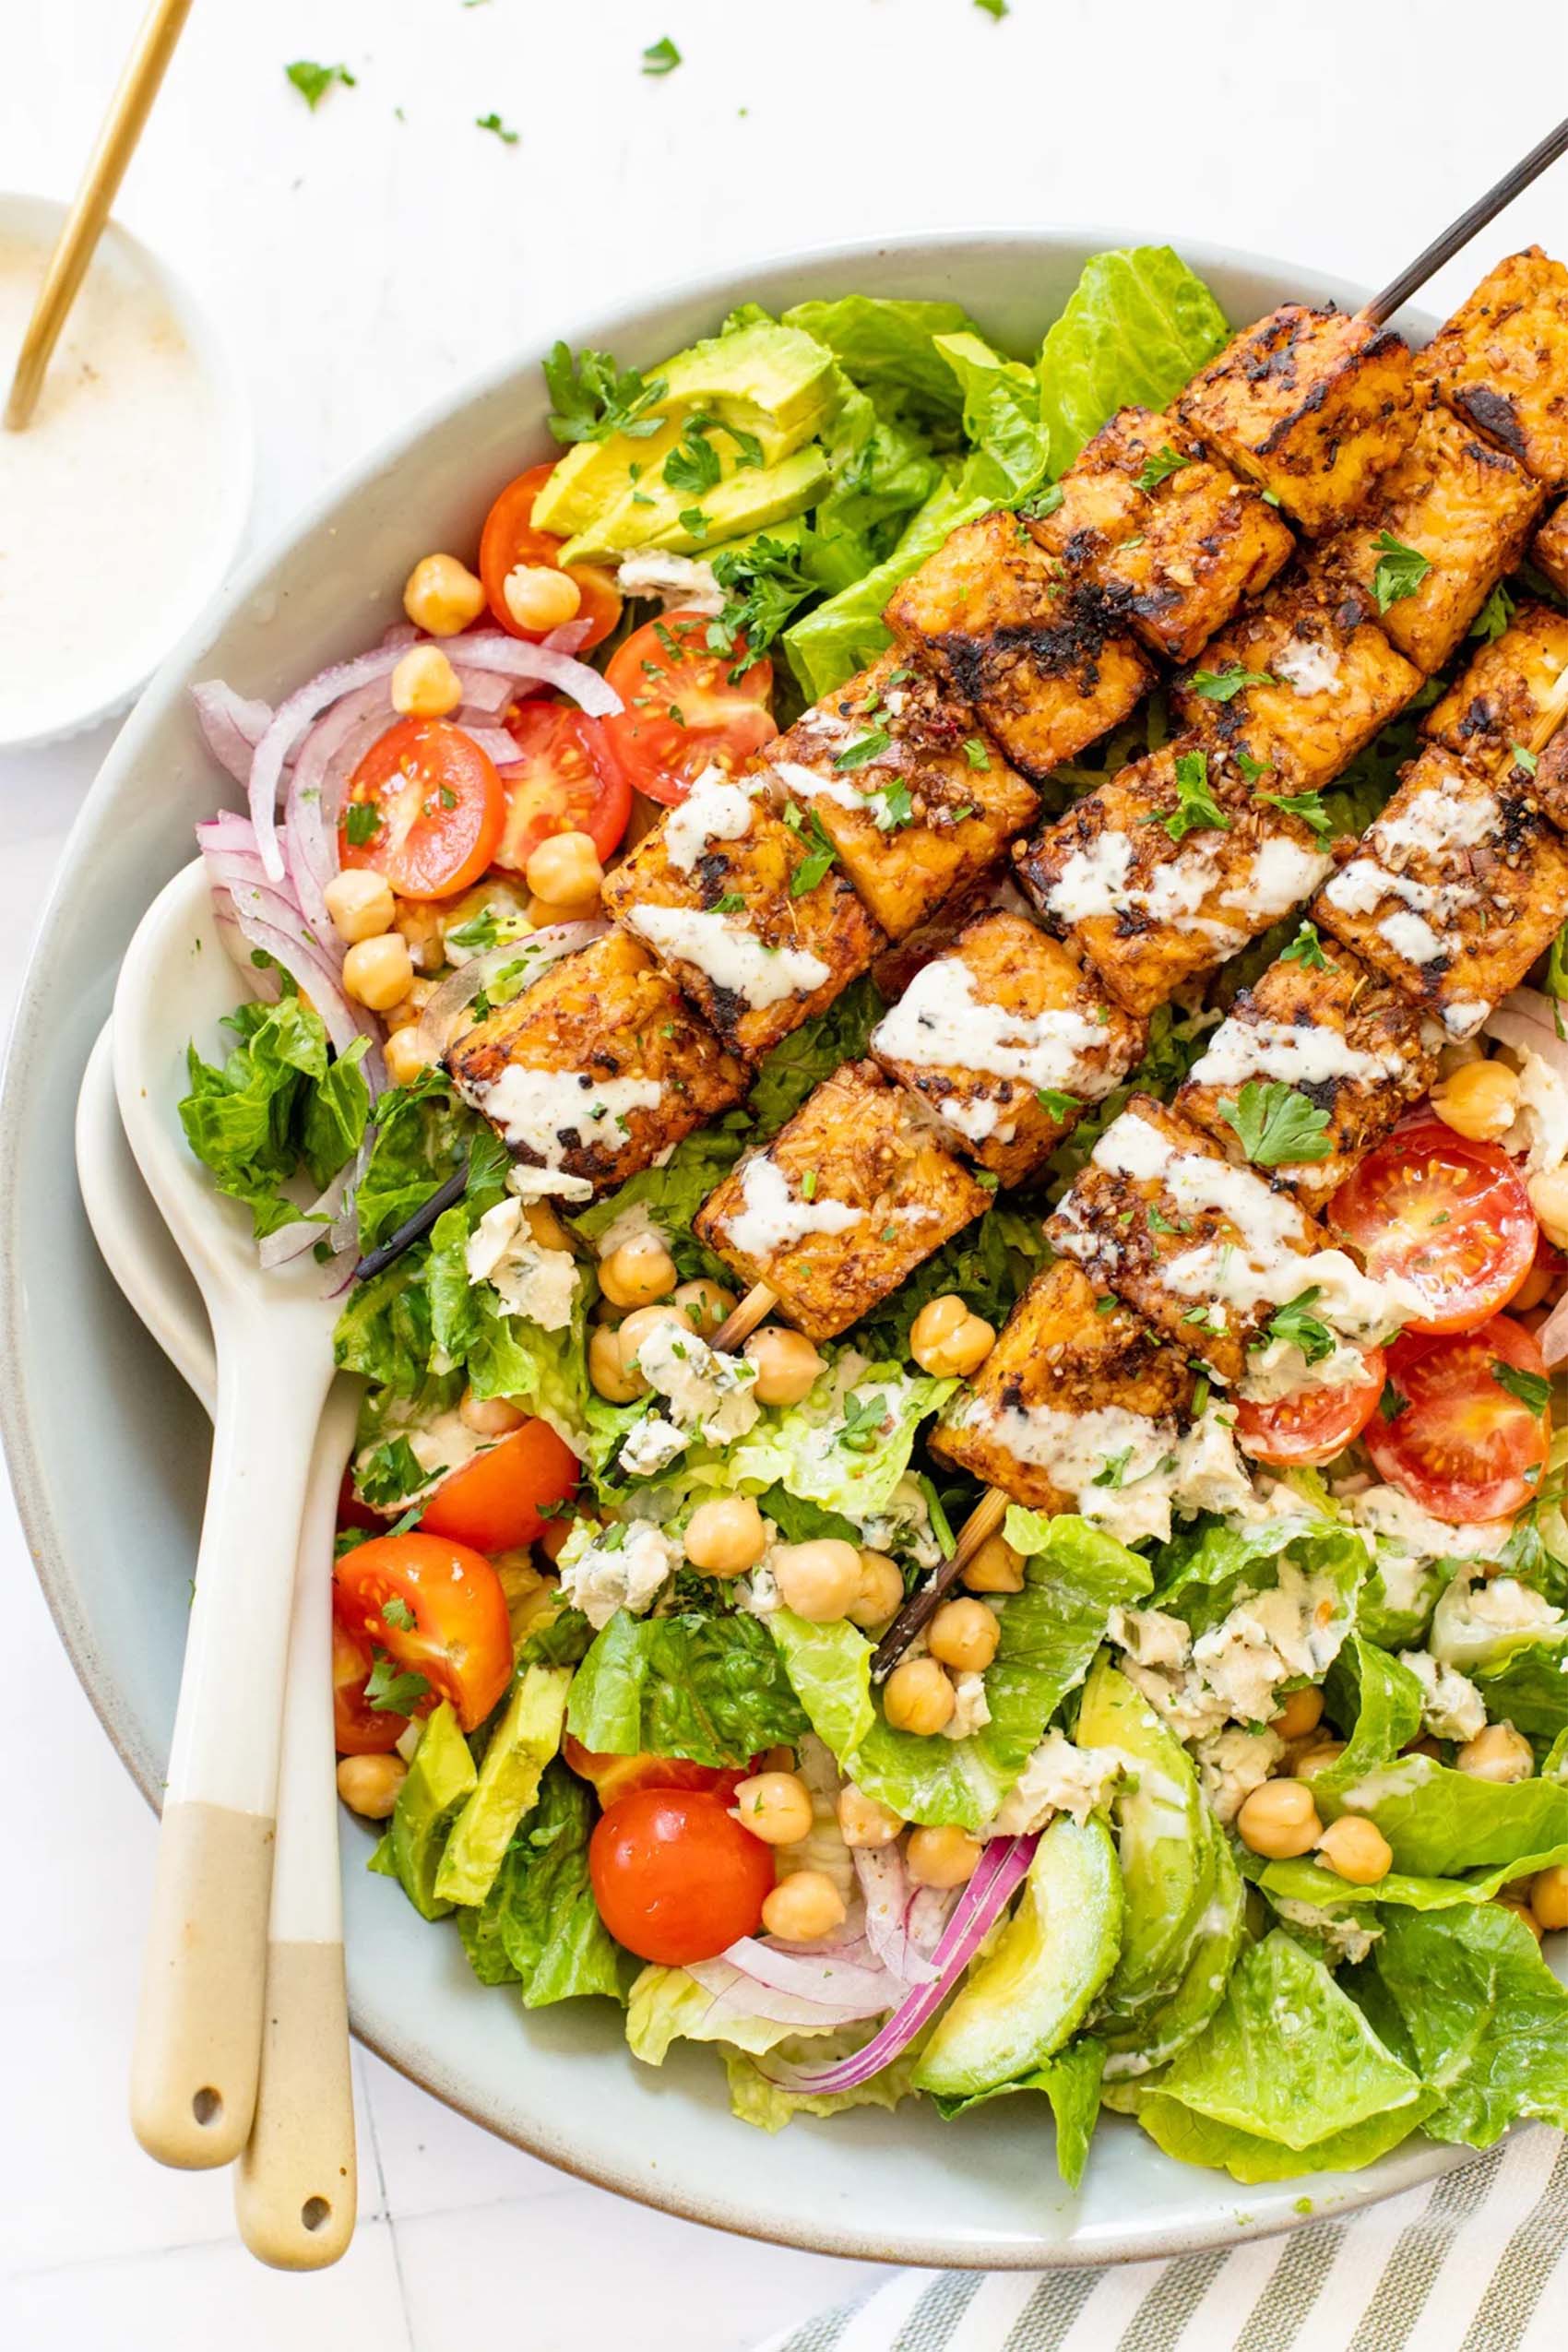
616, 1777
675, 1876
460, 1638
1448, 1216
565, 779
358, 1729
1463, 1445
436, 810
1316, 1423
493, 1502
509, 539
685, 707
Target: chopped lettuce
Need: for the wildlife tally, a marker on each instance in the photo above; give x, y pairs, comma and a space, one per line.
278, 1104
423, 1133
756, 2100
1205, 1572
848, 1445
1010, 448
987, 1265
1483, 2016
1190, 2138
890, 349
711, 1689
1442, 1823
539, 1925
1073, 1575
1304, 1881
666, 2005
846, 632
1529, 1688
1070, 2081
1135, 327
1397, 1599
1377, 1701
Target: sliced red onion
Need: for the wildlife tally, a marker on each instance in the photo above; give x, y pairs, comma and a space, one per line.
822, 1976
1529, 1021
1000, 1872
289, 722
319, 1222
519, 659
231, 724
271, 920
734, 1994
496, 744
891, 1927
450, 996
327, 757
1552, 1337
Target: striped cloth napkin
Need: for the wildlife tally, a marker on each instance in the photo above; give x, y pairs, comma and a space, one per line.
1476, 2262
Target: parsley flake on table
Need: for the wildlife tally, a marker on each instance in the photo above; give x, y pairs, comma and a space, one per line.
593, 398
492, 122
1275, 1125
1160, 468
1196, 809
1400, 570
997, 9
1306, 949
661, 57
313, 81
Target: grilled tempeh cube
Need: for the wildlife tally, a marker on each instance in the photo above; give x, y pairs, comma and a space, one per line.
1152, 905
1205, 1251
1312, 405
1004, 628
1061, 1392
596, 1069
715, 891
1454, 499
1336, 1032
914, 799
851, 1194
1005, 1038
1549, 549
1332, 681
1457, 887
1186, 539
1501, 361
1497, 701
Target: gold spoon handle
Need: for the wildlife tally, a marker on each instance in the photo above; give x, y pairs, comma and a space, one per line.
122, 128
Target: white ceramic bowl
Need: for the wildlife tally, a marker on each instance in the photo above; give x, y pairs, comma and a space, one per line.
103, 682
114, 1549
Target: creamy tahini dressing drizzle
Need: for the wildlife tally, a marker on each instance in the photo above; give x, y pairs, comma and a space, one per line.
1434, 824
714, 809
772, 1216
535, 1110
941, 1023
732, 957
1094, 883
1264, 1049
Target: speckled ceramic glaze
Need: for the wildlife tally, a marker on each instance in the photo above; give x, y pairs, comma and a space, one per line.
113, 1528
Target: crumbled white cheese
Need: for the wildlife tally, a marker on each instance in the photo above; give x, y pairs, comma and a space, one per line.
636, 1223
1291, 1632
1540, 1116
625, 1568
538, 1283
711, 1395
651, 1446
1472, 1622
1057, 1778
1397, 1525
1280, 1369
679, 582
1151, 1637
1452, 1707
1232, 1763
972, 1711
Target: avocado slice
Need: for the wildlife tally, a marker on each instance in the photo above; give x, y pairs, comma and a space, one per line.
745, 498
440, 1781
522, 1743
1163, 2030
769, 381
1166, 1837
1028, 1998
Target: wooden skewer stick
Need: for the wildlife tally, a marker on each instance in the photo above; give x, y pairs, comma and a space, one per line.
1459, 233
758, 1302
918, 1611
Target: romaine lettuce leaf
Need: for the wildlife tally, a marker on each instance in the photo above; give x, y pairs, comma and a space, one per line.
1486, 2019
1190, 2138
1203, 1573
1304, 1881
889, 349
1009, 446
881, 470
837, 1447
1396, 1615
1528, 1689
711, 1689
1376, 1703
275, 1104
755, 2100
1441, 1823
846, 632
538, 1926
422, 1136
1135, 327
1074, 1575
1071, 2082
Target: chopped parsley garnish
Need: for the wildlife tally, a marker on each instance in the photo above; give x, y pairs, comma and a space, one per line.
808, 1186
1400, 570
1306, 807
1196, 809
818, 860
1157, 1223
391, 1693
361, 822
388, 1474
897, 807
694, 520
1306, 949
748, 449
864, 1418
1391, 1404
1044, 502
492, 122
1276, 1124
1115, 1470
1494, 616
694, 463
1057, 1105
480, 932
733, 903
1528, 1387
975, 753
1224, 685
1160, 468
1251, 769
1297, 1329
593, 398
397, 1612
313, 81
763, 584
661, 57
865, 748
1523, 757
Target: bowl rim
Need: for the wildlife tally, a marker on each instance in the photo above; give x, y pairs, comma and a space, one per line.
720, 284
117, 684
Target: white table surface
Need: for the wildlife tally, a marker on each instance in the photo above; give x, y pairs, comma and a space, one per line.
366, 261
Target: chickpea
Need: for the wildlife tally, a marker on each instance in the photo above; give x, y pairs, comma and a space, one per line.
726, 1538
1478, 1100
607, 1369
424, 684
964, 1634
1454, 1056
1302, 1713
1318, 1759
1497, 1753
1548, 1897
802, 1907
489, 1416
949, 1342
1357, 1850
637, 1273
538, 596
818, 1580
1534, 1292
543, 912
565, 870
707, 1304
442, 596
881, 1590
787, 1365
376, 972
862, 1821
404, 1057
369, 1784
359, 903
546, 1227
942, 1857
995, 1568
918, 1696
424, 934
776, 1807
1279, 1820
1425, 1746
1549, 1198
641, 1325
551, 1538
1520, 1911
